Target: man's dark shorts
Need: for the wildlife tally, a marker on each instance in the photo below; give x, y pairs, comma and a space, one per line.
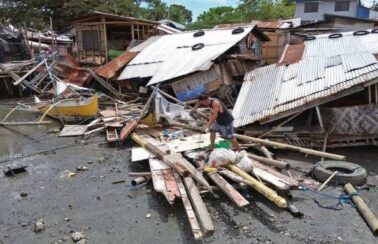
226, 131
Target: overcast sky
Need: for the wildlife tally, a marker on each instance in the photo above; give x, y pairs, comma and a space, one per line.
198, 6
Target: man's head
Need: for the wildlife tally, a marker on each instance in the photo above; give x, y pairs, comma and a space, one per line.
204, 100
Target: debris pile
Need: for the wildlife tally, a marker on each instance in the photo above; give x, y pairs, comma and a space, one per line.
185, 159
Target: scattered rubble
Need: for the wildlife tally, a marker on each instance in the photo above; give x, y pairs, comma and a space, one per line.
39, 226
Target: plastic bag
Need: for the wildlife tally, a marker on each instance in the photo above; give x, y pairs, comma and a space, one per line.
244, 162
221, 156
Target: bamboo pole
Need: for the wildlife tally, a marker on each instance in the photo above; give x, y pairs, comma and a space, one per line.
271, 143
264, 190
364, 210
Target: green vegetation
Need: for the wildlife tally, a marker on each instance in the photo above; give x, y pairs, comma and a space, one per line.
246, 11
37, 13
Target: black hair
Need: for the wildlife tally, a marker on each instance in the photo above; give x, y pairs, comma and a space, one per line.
203, 97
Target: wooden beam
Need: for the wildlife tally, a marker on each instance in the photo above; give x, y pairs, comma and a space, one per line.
174, 160
189, 210
227, 189
270, 162
9, 72
28, 73
105, 42
105, 84
203, 215
279, 125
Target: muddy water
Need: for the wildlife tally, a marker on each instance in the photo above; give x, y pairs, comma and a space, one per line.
115, 213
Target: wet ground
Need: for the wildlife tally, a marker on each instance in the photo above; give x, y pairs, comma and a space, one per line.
115, 213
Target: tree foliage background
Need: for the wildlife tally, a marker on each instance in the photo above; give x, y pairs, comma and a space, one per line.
37, 13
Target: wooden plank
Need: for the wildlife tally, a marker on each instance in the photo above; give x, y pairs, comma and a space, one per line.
272, 179
189, 143
203, 215
105, 84
289, 181
73, 130
139, 154
157, 167
173, 160
227, 188
197, 234
18, 81
27, 123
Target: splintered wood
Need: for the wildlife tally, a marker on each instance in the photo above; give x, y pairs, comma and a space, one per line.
163, 180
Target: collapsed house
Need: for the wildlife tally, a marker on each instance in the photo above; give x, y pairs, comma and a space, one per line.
185, 61
327, 87
13, 46
279, 33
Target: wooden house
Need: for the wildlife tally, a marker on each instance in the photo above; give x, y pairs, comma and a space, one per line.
98, 35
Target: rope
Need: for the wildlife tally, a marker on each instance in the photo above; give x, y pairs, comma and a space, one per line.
342, 199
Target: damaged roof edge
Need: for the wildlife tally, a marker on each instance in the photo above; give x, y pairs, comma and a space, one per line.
158, 59
327, 68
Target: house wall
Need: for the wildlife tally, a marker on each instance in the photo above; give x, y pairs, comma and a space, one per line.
325, 7
352, 25
272, 50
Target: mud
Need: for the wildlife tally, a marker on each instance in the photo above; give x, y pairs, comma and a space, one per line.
115, 213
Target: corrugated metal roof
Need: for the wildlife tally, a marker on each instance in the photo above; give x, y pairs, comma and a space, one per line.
110, 69
328, 67
172, 56
292, 54
167, 29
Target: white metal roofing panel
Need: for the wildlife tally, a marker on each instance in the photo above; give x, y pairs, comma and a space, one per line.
328, 66
174, 56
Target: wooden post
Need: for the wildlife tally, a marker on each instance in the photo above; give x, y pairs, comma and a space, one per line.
364, 210
320, 118
132, 32
105, 40
203, 215
138, 26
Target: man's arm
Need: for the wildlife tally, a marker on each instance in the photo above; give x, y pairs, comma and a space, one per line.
214, 114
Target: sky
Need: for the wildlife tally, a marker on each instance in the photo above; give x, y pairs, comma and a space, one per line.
199, 6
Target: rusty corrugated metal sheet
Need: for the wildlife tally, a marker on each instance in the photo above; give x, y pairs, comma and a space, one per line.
292, 54
110, 69
71, 72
